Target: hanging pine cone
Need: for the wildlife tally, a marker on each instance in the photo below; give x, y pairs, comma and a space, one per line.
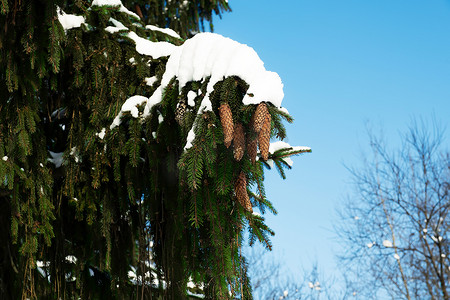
264, 137
226, 118
259, 116
252, 149
180, 112
239, 141
240, 189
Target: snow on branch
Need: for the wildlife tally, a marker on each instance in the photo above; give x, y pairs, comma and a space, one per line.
209, 55
115, 3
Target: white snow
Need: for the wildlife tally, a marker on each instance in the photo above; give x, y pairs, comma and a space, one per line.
5, 158
42, 264
153, 49
71, 259
387, 244
209, 54
396, 256
101, 134
190, 138
288, 160
69, 21
425, 230
356, 218
57, 158
190, 97
150, 80
278, 145
285, 293
283, 109
160, 119
114, 3
311, 285
40, 164
167, 31
130, 105
117, 26
154, 134
370, 245
132, 275
190, 284
273, 147
75, 154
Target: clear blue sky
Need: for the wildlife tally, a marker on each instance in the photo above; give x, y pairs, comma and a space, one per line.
343, 63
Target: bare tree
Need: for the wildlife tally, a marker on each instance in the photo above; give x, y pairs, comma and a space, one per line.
395, 228
271, 281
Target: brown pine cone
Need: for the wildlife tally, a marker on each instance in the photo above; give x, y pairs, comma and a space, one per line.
264, 137
252, 149
239, 141
180, 112
226, 118
259, 116
240, 189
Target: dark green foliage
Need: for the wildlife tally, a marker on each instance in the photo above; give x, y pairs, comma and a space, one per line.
125, 198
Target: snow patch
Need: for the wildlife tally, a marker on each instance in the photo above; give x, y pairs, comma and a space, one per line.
190, 97
209, 54
56, 158
150, 80
284, 110
71, 259
69, 21
153, 49
117, 26
74, 152
387, 244
5, 158
270, 163
278, 145
190, 139
101, 134
115, 3
167, 31
130, 105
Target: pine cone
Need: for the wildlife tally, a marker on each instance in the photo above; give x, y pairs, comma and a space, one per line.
239, 141
226, 118
264, 137
240, 189
252, 149
259, 116
180, 112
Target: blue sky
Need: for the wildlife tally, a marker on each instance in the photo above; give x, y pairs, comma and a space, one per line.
343, 63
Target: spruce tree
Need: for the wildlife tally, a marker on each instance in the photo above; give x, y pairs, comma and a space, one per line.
132, 155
